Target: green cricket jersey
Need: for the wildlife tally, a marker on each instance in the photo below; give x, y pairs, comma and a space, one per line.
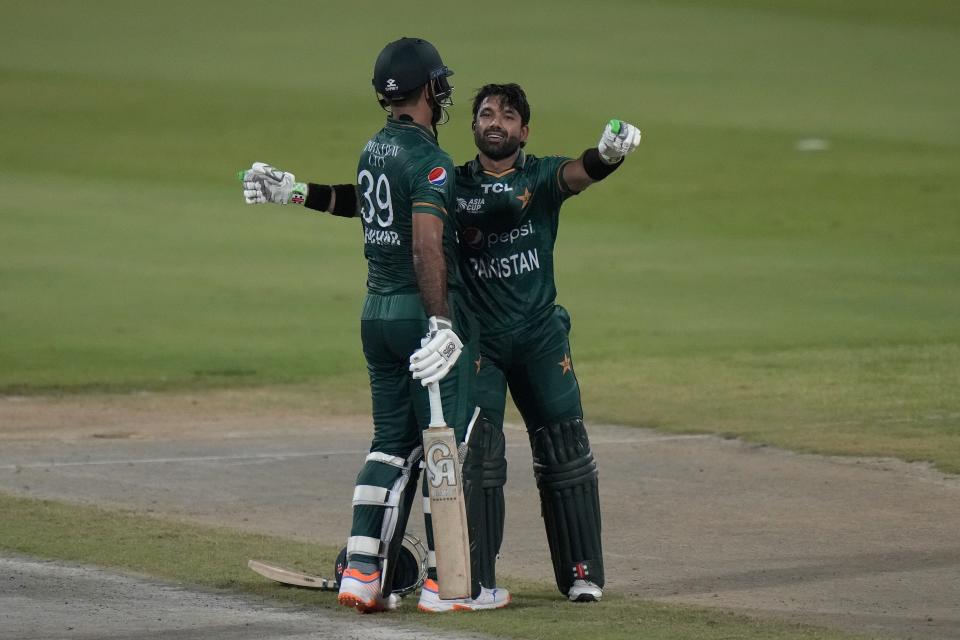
403, 172
507, 225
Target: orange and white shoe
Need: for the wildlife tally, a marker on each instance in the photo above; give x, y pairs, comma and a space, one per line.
361, 591
430, 600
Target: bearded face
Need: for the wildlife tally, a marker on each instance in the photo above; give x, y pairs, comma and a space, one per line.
495, 142
498, 131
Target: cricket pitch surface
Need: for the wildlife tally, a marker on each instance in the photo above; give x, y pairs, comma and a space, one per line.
868, 545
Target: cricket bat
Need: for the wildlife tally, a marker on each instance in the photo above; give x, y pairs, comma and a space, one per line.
292, 577
447, 507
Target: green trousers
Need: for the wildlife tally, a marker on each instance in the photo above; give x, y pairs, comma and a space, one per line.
391, 329
537, 366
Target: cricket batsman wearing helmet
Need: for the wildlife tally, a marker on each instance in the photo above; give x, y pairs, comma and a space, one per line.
413, 317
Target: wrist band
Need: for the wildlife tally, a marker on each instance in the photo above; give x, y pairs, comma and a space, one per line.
594, 165
345, 204
318, 197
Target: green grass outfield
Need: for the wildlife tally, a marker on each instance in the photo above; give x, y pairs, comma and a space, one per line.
721, 281
217, 558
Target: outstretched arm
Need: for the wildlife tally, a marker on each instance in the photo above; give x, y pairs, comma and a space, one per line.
596, 163
264, 184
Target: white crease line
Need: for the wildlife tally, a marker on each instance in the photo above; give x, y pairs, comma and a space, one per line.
631, 556
640, 440
291, 455
699, 436
257, 456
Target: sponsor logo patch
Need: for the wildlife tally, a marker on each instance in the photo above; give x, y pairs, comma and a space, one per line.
447, 350
473, 205
441, 470
473, 237
581, 571
437, 176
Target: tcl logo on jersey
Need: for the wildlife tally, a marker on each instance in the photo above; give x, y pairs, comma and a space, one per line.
437, 176
496, 187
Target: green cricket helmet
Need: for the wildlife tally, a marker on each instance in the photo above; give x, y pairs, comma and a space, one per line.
407, 64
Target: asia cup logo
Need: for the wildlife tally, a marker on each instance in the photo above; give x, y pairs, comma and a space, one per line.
437, 176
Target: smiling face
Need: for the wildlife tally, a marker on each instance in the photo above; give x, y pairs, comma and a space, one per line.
498, 128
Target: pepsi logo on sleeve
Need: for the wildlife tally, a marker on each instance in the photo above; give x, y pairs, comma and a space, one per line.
437, 176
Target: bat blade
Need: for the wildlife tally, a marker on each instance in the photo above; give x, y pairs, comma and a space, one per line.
448, 511
292, 577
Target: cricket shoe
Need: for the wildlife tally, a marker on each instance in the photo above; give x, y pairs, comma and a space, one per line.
362, 592
584, 591
431, 602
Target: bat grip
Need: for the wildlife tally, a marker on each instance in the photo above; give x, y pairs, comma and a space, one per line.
436, 405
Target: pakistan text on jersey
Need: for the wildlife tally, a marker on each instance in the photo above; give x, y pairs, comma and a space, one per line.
381, 237
515, 264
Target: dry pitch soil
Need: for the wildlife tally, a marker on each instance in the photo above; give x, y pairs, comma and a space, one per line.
863, 544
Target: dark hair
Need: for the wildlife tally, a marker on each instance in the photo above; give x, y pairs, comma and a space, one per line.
511, 95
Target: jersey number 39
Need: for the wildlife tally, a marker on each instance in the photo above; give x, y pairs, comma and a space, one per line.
377, 201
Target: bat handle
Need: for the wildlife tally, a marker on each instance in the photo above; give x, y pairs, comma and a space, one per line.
436, 405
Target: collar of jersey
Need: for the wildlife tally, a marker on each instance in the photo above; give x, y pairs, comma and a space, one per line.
405, 124
477, 168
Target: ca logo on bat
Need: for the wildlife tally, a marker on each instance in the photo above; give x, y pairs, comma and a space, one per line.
441, 469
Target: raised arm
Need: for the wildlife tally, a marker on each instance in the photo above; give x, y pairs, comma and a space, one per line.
596, 163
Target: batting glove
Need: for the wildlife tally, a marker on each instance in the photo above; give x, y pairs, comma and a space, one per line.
263, 183
438, 352
619, 138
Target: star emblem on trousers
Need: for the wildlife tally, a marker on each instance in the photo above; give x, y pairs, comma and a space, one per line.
525, 198
565, 364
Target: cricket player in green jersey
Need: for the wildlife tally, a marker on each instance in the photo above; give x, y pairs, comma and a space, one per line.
508, 213
413, 318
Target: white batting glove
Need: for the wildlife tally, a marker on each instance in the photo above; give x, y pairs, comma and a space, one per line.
438, 352
619, 138
263, 183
